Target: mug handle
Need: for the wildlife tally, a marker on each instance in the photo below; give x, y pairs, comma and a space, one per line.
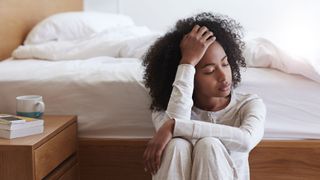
41, 105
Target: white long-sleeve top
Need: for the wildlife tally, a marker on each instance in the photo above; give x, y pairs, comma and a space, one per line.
239, 126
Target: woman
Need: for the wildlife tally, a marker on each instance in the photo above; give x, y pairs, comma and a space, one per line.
204, 128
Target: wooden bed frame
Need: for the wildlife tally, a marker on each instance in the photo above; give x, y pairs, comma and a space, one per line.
118, 159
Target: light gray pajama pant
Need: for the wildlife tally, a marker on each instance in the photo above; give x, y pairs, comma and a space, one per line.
207, 159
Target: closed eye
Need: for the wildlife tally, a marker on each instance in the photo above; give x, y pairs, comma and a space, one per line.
208, 70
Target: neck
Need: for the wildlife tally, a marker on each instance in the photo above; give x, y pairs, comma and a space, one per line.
212, 103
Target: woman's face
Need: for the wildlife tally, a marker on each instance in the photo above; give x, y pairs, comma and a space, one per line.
213, 76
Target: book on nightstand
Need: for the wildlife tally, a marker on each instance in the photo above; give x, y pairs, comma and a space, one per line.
17, 126
10, 119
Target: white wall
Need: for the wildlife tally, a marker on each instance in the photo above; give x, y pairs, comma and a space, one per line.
292, 24
111, 6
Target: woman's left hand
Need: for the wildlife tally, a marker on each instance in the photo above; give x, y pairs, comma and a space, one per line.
153, 153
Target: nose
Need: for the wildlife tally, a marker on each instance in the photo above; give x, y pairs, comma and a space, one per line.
221, 75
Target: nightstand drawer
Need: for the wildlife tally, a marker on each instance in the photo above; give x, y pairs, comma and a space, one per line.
49, 155
65, 171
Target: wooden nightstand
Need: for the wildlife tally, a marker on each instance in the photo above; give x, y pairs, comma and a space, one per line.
50, 155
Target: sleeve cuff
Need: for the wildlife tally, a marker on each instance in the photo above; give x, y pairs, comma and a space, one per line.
183, 128
185, 72
192, 129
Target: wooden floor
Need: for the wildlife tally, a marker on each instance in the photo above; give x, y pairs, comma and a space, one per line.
122, 159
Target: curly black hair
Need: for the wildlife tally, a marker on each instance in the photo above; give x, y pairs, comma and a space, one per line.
162, 58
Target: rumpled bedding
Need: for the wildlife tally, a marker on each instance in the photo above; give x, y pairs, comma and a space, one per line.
260, 52
129, 42
133, 42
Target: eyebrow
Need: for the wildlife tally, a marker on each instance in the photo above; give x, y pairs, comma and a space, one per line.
212, 64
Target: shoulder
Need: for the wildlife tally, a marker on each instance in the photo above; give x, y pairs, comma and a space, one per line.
246, 97
247, 101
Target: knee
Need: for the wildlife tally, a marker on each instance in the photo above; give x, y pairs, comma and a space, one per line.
179, 145
211, 154
207, 145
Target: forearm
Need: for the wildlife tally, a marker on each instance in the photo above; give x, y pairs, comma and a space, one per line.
180, 102
234, 138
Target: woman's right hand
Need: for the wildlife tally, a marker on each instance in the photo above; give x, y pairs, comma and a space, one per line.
194, 44
153, 153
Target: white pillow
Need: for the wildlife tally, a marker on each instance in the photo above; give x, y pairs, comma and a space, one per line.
74, 25
261, 52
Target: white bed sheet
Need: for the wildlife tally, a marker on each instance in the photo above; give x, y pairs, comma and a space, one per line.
110, 100
106, 93
292, 101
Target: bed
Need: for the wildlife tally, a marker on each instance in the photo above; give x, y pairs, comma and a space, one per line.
105, 90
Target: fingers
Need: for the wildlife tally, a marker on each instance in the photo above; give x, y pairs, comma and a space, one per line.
152, 161
195, 29
211, 40
158, 156
146, 157
198, 31
152, 157
207, 35
201, 33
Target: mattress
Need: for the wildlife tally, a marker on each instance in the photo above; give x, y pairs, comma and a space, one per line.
105, 93
110, 100
292, 101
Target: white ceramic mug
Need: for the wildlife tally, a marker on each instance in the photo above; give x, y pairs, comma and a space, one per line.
30, 106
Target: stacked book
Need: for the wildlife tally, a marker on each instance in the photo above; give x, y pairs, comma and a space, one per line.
17, 126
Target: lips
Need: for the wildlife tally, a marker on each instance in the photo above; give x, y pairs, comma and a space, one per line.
224, 87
